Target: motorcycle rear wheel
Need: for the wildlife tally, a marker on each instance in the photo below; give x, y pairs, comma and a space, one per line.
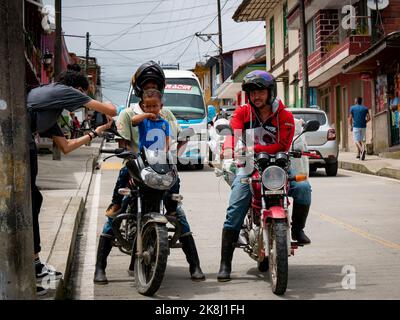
150, 268
278, 256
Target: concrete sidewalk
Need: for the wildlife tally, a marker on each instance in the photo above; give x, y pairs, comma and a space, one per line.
372, 164
64, 185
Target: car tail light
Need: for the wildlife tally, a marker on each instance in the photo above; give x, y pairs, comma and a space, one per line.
331, 134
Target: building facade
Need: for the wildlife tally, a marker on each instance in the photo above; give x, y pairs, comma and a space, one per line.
337, 33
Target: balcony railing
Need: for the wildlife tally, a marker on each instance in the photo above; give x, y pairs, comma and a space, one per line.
339, 35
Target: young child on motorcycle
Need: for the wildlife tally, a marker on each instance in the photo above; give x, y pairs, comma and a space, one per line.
154, 131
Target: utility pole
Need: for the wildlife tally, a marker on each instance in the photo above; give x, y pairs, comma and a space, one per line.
17, 280
221, 57
57, 62
304, 50
87, 53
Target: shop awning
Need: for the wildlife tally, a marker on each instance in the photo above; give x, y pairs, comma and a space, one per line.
229, 89
378, 54
254, 10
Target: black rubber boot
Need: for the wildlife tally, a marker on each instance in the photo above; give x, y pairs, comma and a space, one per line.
229, 238
189, 248
299, 218
103, 250
131, 269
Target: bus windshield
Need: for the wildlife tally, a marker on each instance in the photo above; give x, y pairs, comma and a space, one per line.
183, 97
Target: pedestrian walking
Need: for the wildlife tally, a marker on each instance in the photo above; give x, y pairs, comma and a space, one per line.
358, 119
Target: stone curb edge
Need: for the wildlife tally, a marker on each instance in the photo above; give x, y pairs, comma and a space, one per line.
74, 212
361, 168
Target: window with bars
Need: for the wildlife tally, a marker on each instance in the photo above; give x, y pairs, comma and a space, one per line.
285, 29
272, 40
311, 37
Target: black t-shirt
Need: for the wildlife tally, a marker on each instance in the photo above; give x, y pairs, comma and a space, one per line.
45, 106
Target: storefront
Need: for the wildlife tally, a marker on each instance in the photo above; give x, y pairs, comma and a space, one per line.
382, 63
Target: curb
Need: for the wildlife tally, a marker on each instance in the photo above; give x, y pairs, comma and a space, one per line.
361, 168
69, 230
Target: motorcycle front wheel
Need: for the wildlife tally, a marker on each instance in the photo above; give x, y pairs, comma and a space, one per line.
278, 256
150, 268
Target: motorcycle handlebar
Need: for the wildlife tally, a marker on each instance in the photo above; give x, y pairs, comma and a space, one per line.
113, 151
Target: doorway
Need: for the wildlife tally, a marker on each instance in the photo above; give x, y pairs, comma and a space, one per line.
338, 122
345, 113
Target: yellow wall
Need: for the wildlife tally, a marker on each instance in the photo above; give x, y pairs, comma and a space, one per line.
204, 76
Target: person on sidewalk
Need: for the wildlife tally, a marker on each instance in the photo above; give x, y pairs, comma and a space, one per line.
273, 126
148, 76
359, 116
45, 105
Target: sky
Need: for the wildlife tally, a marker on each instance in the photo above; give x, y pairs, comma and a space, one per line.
140, 30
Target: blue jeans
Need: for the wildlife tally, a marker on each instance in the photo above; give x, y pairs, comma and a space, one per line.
240, 200
180, 214
122, 182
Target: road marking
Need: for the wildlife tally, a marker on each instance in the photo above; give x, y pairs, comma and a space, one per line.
111, 166
87, 285
358, 231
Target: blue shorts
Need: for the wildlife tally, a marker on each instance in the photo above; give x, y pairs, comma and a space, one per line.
359, 134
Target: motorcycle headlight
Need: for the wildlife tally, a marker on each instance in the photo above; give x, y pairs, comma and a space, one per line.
274, 178
158, 181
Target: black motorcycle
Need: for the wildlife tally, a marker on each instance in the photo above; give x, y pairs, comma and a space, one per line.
142, 227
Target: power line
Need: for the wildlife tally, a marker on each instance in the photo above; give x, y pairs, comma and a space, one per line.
142, 49
136, 15
111, 4
133, 26
184, 51
116, 53
142, 23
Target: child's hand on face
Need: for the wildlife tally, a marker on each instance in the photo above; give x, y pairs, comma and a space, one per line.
151, 116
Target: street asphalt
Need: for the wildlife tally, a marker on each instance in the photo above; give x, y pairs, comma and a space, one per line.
353, 225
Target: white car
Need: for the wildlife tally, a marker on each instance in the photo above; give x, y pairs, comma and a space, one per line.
322, 142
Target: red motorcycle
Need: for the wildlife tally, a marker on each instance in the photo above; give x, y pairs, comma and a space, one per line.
265, 235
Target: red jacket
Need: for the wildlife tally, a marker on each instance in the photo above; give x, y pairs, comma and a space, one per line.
280, 128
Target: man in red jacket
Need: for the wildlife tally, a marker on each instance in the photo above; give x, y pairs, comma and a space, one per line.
272, 127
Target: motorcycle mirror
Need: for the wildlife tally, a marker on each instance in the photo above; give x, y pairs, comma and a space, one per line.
224, 130
311, 125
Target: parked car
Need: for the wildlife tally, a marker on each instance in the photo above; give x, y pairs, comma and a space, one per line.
321, 143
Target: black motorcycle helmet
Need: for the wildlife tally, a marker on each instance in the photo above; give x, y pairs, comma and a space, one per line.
259, 80
148, 71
